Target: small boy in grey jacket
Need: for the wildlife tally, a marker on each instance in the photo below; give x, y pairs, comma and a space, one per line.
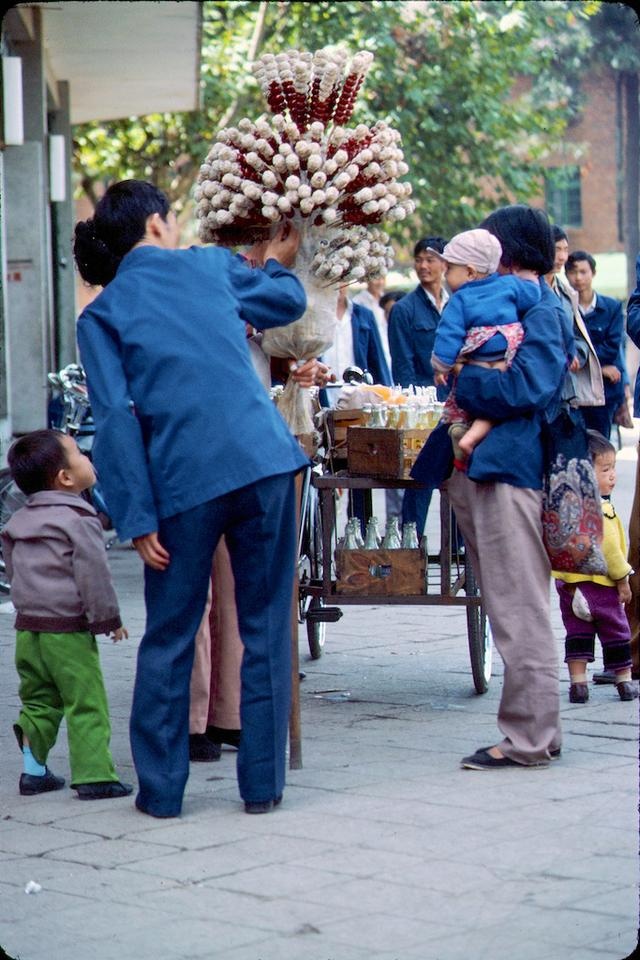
62, 591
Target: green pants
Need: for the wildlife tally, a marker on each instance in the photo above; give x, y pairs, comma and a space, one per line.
60, 676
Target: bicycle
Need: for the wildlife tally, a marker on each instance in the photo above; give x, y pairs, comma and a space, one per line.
74, 419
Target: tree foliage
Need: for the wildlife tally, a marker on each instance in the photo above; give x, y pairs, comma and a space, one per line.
444, 74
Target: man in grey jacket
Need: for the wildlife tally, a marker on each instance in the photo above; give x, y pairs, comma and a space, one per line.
62, 591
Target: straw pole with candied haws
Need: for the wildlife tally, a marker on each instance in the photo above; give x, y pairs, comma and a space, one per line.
335, 183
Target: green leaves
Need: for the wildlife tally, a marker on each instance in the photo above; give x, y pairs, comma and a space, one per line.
481, 92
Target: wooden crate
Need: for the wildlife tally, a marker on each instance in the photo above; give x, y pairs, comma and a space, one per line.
338, 422
383, 452
380, 573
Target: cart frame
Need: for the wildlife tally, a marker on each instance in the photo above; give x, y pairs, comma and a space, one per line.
319, 601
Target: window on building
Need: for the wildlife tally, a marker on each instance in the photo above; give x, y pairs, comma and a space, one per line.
563, 196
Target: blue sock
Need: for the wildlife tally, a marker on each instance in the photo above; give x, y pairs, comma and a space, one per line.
31, 765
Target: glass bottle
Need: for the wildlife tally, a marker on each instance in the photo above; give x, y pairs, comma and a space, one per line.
350, 535
409, 536
424, 550
371, 536
391, 540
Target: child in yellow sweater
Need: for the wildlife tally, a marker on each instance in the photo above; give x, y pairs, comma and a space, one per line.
594, 604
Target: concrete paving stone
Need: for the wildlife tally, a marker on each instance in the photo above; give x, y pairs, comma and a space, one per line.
279, 881
306, 946
111, 853
84, 880
506, 946
37, 841
229, 859
281, 915
383, 931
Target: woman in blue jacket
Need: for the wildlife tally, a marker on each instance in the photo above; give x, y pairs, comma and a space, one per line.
189, 447
497, 502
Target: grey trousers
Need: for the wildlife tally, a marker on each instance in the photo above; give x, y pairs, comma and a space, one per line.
502, 531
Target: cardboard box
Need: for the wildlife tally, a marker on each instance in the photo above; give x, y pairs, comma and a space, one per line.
383, 452
380, 573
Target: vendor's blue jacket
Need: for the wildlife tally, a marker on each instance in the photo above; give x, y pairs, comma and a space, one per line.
180, 414
412, 329
368, 351
633, 329
519, 399
605, 325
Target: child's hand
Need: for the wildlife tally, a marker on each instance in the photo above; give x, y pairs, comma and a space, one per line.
120, 634
575, 364
440, 379
624, 590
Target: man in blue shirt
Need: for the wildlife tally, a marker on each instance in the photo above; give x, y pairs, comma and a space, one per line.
603, 320
189, 447
412, 328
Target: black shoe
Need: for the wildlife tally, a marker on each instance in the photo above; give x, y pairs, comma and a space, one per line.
103, 790
578, 693
221, 735
202, 749
627, 690
607, 676
30, 784
482, 760
261, 806
554, 754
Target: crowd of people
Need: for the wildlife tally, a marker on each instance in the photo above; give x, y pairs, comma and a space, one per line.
211, 508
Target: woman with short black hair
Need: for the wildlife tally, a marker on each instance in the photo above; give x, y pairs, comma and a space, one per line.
497, 503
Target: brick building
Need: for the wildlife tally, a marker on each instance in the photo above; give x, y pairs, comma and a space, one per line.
584, 184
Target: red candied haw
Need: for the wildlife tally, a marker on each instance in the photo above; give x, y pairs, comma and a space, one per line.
275, 98
348, 98
314, 100
290, 95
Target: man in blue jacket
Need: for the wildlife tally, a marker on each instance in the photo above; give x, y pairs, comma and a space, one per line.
603, 319
189, 447
412, 329
357, 341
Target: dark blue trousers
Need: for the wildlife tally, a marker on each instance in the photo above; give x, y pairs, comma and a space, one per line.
259, 522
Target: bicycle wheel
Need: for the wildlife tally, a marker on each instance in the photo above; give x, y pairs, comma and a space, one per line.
479, 635
310, 569
11, 499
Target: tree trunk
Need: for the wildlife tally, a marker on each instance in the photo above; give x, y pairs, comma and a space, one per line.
631, 211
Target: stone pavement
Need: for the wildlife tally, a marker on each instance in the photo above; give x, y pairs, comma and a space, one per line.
383, 849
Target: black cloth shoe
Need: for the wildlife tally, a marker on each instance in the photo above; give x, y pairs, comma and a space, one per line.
482, 760
627, 690
607, 676
221, 735
30, 785
202, 749
578, 693
103, 790
261, 806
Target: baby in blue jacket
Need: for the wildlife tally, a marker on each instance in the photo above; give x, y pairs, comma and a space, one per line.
480, 324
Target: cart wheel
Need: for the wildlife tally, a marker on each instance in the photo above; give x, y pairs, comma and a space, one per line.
479, 635
316, 631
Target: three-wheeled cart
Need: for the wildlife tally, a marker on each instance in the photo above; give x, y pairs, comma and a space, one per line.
331, 578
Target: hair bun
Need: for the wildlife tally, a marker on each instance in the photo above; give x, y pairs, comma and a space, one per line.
96, 263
